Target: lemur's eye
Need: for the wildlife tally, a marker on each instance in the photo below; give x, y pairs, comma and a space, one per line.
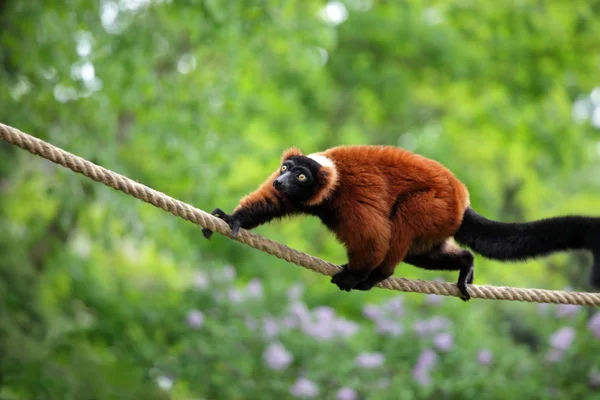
283, 168
301, 177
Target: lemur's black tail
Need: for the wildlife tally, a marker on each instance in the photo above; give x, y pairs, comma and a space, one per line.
520, 241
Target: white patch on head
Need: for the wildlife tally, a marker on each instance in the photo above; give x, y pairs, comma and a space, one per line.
321, 159
328, 186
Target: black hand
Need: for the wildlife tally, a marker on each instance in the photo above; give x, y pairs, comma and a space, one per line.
217, 212
234, 223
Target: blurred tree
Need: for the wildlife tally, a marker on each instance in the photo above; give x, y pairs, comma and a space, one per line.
198, 98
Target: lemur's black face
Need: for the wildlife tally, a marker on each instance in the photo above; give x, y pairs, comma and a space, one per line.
297, 178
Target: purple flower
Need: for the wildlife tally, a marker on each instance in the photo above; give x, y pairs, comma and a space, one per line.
373, 312
484, 357
443, 341
304, 389
395, 306
322, 323
295, 292
345, 328
254, 288
235, 296
422, 376
195, 318
370, 360
427, 359
228, 273
542, 308
421, 327
270, 327
439, 323
562, 339
567, 310
299, 310
276, 356
387, 327
324, 313
346, 393
434, 324
433, 299
320, 330
200, 281
594, 325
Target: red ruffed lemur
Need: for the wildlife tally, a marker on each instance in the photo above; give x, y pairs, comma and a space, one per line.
388, 205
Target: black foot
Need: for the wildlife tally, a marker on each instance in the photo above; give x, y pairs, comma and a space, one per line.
347, 280
374, 278
465, 276
234, 223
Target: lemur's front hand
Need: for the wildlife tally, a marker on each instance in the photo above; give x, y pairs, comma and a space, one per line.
233, 222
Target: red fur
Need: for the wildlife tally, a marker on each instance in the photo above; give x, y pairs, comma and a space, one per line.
263, 193
289, 153
390, 203
371, 178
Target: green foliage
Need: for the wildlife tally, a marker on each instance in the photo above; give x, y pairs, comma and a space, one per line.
104, 297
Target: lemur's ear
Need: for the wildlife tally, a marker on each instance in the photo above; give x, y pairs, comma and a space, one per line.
289, 153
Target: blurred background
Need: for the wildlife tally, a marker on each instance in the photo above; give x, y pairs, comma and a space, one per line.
105, 297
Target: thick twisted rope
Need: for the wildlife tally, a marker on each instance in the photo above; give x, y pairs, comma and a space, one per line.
199, 217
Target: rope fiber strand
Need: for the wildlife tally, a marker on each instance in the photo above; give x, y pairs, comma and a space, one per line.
204, 219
